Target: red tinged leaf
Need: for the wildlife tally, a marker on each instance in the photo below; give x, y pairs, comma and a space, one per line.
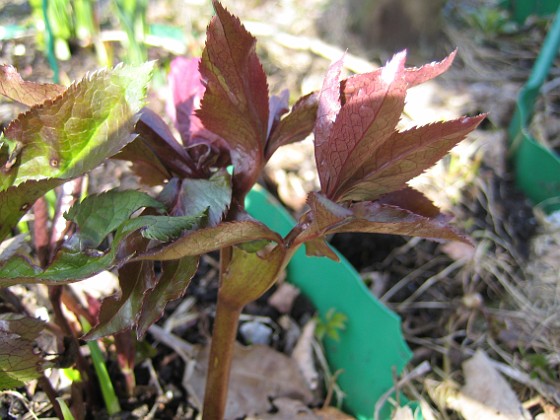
405, 212
325, 214
320, 248
235, 104
362, 156
27, 93
403, 156
295, 126
155, 133
372, 106
278, 106
415, 76
327, 110
187, 90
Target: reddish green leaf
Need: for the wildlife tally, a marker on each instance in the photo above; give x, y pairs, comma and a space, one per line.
406, 212
235, 104
157, 136
91, 121
19, 360
172, 284
61, 139
371, 109
27, 93
278, 105
295, 126
122, 312
320, 248
327, 110
210, 239
325, 214
403, 156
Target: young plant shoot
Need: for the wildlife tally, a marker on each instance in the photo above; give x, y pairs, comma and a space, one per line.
225, 117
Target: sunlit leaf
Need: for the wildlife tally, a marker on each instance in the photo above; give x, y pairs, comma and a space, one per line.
235, 104
61, 139
27, 93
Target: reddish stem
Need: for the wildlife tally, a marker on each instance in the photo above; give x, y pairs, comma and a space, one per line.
219, 361
221, 349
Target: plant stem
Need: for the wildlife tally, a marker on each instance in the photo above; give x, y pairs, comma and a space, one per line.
221, 349
219, 361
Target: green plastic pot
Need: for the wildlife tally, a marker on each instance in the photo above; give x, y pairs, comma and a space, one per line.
371, 348
522, 9
537, 168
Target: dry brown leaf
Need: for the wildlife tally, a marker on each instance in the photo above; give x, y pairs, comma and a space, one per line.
303, 355
486, 394
258, 375
283, 297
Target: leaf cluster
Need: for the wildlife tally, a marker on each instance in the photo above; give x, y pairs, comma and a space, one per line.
225, 116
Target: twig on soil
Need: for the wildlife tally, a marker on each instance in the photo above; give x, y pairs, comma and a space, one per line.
185, 350
419, 370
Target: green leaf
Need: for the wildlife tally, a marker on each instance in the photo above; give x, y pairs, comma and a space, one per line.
162, 228
63, 138
193, 196
16, 201
100, 214
19, 360
70, 265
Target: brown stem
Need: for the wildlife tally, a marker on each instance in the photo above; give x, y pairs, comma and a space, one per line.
219, 361
47, 388
221, 350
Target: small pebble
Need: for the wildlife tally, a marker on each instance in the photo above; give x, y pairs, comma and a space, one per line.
254, 332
